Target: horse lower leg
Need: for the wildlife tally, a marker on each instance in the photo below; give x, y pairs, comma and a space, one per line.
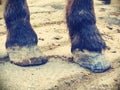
85, 35
21, 39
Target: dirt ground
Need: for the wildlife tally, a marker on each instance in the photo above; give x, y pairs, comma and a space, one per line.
60, 73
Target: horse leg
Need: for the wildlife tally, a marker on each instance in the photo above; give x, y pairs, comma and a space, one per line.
87, 43
21, 41
0, 2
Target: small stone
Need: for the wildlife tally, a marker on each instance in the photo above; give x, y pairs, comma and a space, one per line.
108, 48
118, 30
101, 17
114, 51
42, 39
58, 37
110, 28
115, 80
102, 10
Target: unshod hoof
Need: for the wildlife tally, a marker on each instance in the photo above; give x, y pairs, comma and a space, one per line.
95, 62
26, 56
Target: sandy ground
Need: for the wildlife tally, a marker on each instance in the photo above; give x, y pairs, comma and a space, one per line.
48, 21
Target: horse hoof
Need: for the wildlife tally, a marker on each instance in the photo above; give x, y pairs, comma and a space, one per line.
26, 56
95, 62
31, 62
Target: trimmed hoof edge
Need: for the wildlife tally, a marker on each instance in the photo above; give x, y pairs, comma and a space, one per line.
26, 56
32, 62
95, 62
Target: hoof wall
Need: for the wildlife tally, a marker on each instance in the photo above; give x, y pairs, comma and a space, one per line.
95, 62
31, 62
26, 56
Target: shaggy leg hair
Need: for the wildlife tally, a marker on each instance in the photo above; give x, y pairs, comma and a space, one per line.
21, 39
84, 33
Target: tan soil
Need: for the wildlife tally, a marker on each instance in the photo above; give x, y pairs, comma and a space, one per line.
48, 21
